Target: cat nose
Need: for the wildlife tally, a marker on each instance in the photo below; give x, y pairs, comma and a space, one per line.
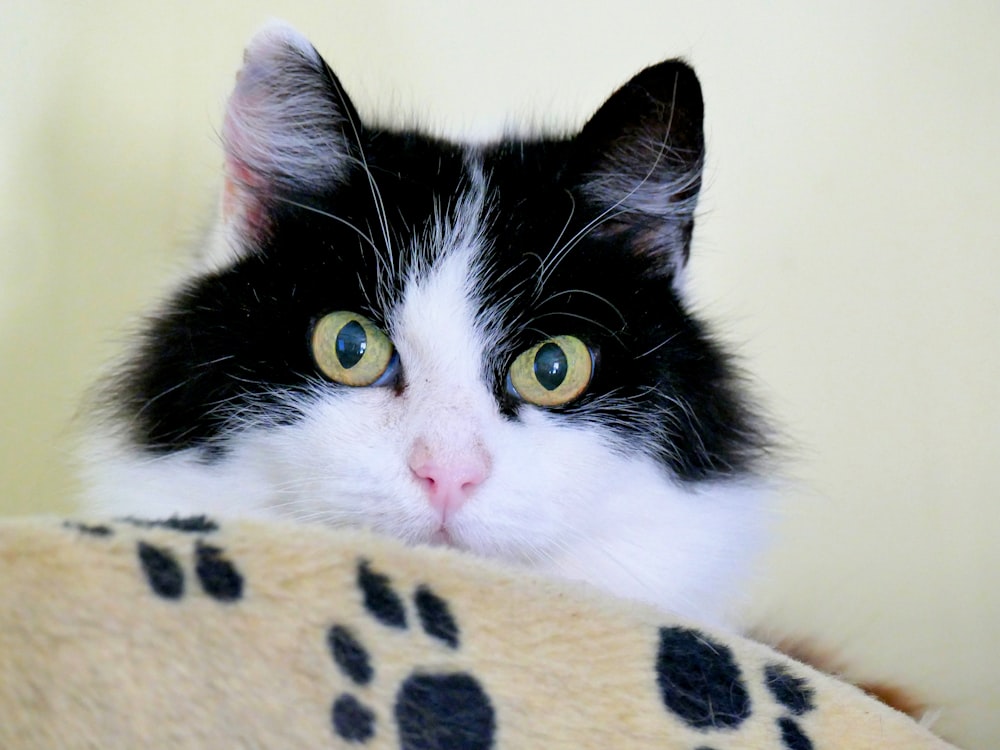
449, 483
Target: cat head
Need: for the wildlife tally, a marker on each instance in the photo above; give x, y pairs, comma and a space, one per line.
477, 345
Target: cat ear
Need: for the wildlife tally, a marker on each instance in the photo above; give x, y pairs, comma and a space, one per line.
288, 130
639, 163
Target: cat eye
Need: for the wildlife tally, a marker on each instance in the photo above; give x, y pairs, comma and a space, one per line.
552, 373
350, 349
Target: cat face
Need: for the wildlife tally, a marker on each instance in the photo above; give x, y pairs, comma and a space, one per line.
482, 346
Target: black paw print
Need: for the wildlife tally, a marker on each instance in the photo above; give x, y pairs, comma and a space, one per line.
794, 694
701, 683
161, 567
441, 711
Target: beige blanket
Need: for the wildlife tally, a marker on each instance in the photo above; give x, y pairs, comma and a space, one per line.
202, 635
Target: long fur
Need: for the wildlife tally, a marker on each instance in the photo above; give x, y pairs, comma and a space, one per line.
465, 255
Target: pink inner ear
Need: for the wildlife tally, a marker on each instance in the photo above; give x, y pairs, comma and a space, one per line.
240, 183
242, 202
282, 129
244, 188
229, 200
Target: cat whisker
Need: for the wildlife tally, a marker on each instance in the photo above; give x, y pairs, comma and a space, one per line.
380, 211
621, 412
684, 407
153, 399
328, 215
587, 293
305, 484
326, 517
643, 583
512, 297
364, 291
555, 257
569, 218
308, 507
570, 539
584, 318
689, 414
347, 109
658, 346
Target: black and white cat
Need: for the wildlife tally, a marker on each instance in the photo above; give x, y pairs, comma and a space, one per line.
484, 346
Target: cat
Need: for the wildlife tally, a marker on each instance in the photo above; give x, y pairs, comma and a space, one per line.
479, 345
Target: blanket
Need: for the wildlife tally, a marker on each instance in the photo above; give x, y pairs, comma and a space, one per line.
195, 633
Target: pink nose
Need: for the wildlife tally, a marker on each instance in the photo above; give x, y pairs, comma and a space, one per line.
449, 484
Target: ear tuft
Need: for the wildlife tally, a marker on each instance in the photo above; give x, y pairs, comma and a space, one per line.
640, 161
286, 126
275, 38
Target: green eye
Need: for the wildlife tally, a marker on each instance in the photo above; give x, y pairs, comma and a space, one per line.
350, 349
553, 372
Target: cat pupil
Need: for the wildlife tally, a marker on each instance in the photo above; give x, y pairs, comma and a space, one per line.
351, 344
550, 366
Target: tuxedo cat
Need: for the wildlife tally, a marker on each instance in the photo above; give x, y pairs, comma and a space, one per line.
477, 345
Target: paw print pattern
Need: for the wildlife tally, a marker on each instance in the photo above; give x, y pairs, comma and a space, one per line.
161, 567
701, 683
699, 679
432, 711
794, 694
165, 575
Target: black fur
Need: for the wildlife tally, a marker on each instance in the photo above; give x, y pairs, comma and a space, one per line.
234, 341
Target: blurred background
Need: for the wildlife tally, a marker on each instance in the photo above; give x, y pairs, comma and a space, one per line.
848, 247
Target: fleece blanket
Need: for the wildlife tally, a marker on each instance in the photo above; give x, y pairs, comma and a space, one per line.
192, 633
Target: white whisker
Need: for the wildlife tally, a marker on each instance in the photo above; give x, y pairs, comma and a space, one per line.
573, 315
584, 292
328, 215
663, 343
555, 257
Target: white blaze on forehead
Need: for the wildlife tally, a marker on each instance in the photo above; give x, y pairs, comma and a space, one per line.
437, 327
442, 338
436, 330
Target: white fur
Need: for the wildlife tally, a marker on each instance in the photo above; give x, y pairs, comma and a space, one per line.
565, 499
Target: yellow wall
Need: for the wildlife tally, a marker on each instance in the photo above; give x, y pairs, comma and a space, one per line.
848, 243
